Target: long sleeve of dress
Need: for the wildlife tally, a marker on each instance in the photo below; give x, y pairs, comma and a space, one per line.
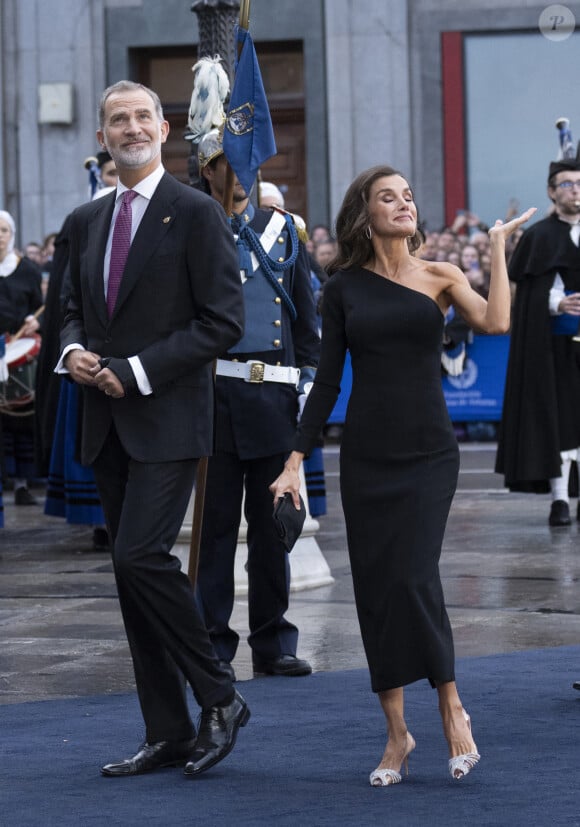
326, 388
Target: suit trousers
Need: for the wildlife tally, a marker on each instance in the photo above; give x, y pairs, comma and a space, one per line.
271, 635
144, 505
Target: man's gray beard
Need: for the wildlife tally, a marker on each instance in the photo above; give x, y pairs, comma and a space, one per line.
134, 160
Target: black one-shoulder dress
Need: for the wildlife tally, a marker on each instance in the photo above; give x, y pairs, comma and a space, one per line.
399, 462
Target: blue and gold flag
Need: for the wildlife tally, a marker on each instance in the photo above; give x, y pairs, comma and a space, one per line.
248, 135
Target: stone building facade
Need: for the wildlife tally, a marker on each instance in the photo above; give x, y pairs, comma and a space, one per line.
355, 82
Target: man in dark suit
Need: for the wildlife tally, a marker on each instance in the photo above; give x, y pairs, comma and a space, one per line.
258, 384
144, 360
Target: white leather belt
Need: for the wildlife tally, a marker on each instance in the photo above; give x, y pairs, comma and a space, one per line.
258, 372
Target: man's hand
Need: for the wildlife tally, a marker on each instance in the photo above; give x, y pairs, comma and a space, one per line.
108, 382
30, 326
570, 304
81, 364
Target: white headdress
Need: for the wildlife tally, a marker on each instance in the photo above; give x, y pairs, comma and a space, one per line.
269, 190
210, 89
10, 261
5, 216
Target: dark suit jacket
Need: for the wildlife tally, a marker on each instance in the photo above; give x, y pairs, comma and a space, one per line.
180, 305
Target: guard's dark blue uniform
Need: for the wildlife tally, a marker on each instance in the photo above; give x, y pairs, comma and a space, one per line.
255, 428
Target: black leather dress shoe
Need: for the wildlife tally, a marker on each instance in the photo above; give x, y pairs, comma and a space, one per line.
576, 685
152, 757
286, 665
228, 669
218, 729
559, 513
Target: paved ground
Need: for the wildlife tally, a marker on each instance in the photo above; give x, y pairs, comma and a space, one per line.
510, 582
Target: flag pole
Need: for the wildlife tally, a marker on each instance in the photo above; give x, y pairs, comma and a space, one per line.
228, 199
201, 476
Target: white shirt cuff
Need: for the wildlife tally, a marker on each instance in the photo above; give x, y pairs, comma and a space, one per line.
140, 376
60, 368
557, 293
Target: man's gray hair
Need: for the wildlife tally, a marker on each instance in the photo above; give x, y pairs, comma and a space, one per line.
127, 86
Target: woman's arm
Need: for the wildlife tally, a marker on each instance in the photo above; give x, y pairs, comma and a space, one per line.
289, 479
324, 393
493, 315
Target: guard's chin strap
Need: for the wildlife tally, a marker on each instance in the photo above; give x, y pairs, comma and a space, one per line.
270, 266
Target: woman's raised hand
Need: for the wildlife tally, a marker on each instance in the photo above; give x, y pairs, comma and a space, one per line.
501, 230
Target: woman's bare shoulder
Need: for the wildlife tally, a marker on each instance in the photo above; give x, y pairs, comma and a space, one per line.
442, 271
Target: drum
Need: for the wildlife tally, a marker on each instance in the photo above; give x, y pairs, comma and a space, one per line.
17, 392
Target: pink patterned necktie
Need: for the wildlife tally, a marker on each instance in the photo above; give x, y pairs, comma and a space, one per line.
119, 249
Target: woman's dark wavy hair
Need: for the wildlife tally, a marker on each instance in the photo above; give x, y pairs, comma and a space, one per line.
354, 248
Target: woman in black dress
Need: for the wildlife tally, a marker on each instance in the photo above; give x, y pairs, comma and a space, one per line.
399, 457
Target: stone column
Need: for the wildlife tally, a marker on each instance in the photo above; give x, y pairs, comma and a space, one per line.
216, 22
368, 89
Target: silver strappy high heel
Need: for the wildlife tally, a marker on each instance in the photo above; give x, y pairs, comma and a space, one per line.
461, 765
386, 777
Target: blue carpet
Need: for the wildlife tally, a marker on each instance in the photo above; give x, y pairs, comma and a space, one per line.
305, 756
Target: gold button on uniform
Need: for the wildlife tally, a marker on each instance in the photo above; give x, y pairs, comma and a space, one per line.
280, 280
277, 323
281, 240
276, 342
281, 258
278, 300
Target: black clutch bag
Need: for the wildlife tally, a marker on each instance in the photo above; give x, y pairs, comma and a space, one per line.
288, 521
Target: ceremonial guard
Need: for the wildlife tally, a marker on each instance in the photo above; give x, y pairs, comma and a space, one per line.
540, 430
259, 383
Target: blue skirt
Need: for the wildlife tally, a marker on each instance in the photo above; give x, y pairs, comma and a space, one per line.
315, 484
71, 491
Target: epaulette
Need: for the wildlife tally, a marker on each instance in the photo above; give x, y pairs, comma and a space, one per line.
299, 223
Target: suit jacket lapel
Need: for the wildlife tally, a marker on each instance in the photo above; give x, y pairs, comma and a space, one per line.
99, 225
157, 220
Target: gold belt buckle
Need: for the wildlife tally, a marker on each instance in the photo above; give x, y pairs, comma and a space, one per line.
257, 372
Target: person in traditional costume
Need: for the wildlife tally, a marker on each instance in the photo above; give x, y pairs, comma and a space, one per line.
539, 435
20, 305
258, 385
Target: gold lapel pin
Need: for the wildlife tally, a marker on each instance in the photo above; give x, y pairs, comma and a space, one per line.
167, 219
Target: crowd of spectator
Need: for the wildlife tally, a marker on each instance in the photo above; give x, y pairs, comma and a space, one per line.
41, 254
